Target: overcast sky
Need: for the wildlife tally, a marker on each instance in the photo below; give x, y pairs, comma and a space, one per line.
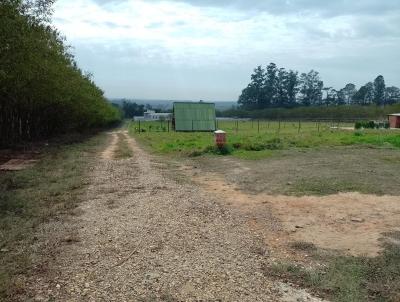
193, 49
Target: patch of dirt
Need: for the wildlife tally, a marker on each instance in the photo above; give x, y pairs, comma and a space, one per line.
349, 222
17, 164
311, 172
108, 153
12, 160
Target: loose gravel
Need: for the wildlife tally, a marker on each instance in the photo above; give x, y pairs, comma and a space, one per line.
142, 236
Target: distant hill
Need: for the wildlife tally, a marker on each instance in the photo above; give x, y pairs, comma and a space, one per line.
167, 104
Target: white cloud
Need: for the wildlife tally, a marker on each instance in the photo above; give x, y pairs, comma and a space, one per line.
178, 36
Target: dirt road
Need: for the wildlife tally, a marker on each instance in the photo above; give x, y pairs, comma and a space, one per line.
141, 236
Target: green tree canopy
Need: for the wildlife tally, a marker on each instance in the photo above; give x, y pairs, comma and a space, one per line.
42, 91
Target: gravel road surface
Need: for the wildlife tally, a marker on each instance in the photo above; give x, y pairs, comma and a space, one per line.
141, 236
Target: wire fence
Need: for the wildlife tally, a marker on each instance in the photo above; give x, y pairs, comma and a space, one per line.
254, 125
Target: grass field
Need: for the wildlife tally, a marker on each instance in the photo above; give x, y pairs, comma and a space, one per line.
253, 140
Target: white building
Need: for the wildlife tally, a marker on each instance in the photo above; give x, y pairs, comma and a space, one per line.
151, 115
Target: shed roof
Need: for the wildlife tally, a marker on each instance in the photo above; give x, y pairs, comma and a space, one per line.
394, 114
190, 116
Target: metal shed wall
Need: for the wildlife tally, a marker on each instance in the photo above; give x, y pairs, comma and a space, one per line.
194, 116
394, 120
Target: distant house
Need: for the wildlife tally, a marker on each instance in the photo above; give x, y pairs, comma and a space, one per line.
394, 120
151, 115
190, 116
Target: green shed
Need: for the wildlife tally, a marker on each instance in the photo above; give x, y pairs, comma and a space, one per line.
189, 116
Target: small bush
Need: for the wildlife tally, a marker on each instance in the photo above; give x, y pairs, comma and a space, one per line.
237, 145
225, 150
371, 125
254, 146
274, 144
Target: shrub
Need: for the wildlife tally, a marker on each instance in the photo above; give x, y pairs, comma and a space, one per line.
274, 144
371, 125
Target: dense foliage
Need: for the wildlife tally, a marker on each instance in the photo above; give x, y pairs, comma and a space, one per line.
275, 87
343, 112
131, 109
42, 91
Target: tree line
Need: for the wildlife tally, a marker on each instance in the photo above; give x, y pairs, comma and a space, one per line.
274, 87
130, 109
42, 91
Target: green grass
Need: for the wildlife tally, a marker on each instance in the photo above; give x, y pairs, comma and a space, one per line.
253, 141
123, 150
31, 197
325, 186
349, 278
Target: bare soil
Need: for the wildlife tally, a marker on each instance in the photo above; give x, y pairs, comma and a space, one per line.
143, 236
312, 172
11, 160
348, 222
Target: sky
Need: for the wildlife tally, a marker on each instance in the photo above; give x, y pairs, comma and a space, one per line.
193, 49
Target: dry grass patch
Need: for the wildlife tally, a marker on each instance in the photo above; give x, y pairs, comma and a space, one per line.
122, 150
33, 196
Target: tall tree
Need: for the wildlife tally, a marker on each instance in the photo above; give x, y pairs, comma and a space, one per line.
292, 87
392, 95
365, 95
270, 85
281, 99
330, 96
252, 96
42, 91
349, 91
311, 88
379, 90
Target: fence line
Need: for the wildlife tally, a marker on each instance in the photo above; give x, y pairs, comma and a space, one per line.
262, 125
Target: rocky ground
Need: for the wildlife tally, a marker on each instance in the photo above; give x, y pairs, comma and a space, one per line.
143, 236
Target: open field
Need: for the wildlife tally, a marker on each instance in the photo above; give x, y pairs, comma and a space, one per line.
326, 201
105, 219
253, 140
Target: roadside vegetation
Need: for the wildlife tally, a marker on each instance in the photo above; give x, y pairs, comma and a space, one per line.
31, 197
340, 112
346, 278
254, 140
43, 92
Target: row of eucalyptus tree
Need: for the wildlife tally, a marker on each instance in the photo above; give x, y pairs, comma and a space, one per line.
274, 87
42, 91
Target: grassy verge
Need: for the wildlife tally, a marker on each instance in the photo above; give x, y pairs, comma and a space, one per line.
250, 141
348, 278
330, 185
123, 150
33, 196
